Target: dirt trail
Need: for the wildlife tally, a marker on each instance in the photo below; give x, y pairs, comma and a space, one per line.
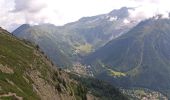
10, 95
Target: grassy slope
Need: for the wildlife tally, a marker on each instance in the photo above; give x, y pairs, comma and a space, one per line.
22, 59
44, 37
29, 67
17, 56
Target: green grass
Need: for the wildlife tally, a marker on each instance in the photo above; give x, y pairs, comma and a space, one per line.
22, 58
116, 73
18, 56
87, 48
8, 98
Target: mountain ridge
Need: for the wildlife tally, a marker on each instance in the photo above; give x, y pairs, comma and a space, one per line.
142, 54
75, 40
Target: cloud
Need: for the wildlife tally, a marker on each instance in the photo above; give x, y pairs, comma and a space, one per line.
149, 8
151, 1
59, 12
17, 12
31, 6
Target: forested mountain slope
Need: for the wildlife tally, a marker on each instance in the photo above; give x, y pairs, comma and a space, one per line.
140, 57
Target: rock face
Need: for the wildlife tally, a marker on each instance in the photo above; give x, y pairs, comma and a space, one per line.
26, 74
5, 69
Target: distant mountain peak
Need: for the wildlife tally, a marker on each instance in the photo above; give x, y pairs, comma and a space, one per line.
121, 13
114, 15
25, 26
20, 28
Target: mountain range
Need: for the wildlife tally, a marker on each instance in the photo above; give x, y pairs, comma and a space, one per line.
67, 44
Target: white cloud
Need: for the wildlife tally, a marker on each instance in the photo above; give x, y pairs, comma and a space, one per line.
59, 12
31, 6
150, 8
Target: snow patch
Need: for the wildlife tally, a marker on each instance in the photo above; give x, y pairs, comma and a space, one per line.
112, 18
125, 21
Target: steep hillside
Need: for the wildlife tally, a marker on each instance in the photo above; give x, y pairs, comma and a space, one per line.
26, 74
138, 58
68, 43
43, 36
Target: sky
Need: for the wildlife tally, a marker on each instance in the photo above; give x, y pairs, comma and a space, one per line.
59, 12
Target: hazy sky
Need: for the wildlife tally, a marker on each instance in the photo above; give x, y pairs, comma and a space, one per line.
59, 12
